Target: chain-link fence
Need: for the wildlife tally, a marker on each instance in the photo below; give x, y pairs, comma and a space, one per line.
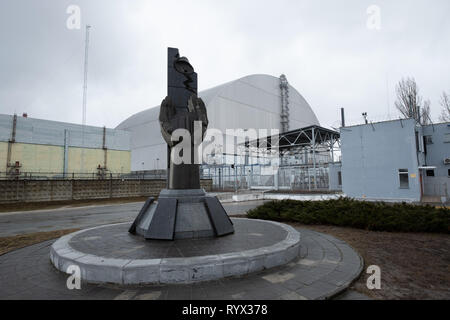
238, 177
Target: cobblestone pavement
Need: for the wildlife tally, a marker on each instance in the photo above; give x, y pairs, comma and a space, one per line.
15, 223
326, 267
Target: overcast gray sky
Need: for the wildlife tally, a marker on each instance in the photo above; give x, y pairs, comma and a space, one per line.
324, 47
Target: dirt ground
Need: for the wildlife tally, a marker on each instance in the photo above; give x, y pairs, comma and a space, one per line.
413, 265
8, 244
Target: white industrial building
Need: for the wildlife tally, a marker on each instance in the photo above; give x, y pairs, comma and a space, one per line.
252, 102
398, 160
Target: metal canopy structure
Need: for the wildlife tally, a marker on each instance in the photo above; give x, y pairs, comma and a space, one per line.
311, 136
317, 141
307, 136
304, 156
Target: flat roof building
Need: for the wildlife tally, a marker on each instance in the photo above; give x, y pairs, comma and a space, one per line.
51, 148
396, 161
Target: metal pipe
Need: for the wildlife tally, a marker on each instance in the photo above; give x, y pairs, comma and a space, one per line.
66, 152
235, 174
314, 156
105, 150
11, 142
342, 117
332, 149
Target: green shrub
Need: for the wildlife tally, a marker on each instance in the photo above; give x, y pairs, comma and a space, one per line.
347, 212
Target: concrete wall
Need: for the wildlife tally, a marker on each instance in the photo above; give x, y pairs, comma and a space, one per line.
45, 158
34, 157
53, 190
117, 161
3, 155
372, 156
92, 158
437, 151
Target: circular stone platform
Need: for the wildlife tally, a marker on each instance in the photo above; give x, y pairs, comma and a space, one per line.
109, 254
325, 268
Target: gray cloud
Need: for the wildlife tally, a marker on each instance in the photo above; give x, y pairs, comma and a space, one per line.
323, 47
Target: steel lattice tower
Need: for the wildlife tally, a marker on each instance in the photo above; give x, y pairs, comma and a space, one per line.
284, 87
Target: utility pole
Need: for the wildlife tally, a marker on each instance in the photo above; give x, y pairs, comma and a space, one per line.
86, 56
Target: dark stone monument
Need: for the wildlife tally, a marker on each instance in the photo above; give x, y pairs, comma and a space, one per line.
179, 110
183, 210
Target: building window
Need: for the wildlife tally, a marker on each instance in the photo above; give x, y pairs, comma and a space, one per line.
447, 138
403, 178
430, 173
340, 178
449, 172
425, 139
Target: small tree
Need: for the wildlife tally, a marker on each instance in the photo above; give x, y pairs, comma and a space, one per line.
410, 103
445, 103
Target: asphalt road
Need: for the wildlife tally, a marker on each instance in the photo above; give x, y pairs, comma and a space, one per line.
14, 223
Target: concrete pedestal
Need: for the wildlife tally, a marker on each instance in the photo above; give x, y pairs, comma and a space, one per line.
109, 254
182, 214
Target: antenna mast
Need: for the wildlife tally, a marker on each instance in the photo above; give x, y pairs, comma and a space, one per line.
86, 56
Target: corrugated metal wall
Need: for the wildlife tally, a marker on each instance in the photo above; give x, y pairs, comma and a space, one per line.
37, 131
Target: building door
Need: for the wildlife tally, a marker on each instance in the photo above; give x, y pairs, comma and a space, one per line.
421, 184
